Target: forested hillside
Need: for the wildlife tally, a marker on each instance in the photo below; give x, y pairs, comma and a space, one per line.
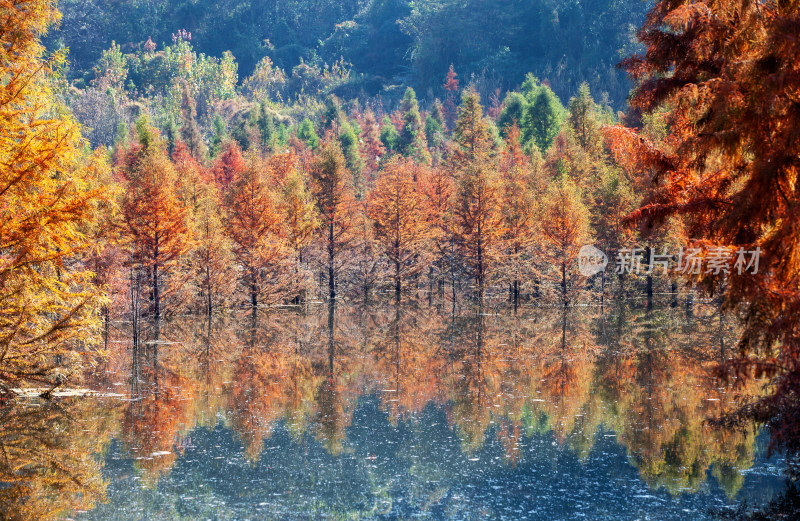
389, 43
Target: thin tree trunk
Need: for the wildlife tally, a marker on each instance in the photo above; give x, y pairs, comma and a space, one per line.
253, 289
156, 295
331, 252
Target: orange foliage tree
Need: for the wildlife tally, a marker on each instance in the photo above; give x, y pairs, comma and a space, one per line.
479, 226
300, 218
210, 261
397, 209
154, 218
728, 75
517, 208
253, 224
565, 227
333, 191
47, 301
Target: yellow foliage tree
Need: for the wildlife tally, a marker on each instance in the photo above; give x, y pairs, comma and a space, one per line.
48, 304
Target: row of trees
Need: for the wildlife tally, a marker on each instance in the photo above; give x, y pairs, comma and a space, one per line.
478, 210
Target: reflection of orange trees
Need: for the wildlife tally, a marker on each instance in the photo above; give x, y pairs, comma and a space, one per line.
477, 383
509, 376
408, 367
564, 366
48, 467
663, 398
344, 379
156, 419
266, 385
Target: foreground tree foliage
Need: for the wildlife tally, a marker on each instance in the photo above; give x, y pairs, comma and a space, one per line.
730, 168
48, 189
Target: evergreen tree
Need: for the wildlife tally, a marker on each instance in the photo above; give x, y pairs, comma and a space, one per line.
307, 134
412, 142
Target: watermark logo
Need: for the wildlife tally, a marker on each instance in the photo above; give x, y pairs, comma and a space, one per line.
716, 260
591, 261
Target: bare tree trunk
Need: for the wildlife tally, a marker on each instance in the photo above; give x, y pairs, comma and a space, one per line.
156, 295
331, 256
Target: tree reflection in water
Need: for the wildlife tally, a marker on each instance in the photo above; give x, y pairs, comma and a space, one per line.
310, 379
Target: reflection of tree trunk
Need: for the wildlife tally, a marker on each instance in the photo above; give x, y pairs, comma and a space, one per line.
564, 282
253, 288
397, 282
674, 294
331, 257
253, 329
331, 325
135, 295
396, 335
156, 295
156, 341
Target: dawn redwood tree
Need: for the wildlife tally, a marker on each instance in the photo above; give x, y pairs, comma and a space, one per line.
300, 216
565, 228
372, 148
212, 257
333, 191
154, 218
517, 207
397, 209
476, 209
729, 73
438, 187
253, 224
210, 261
228, 165
451, 86
48, 191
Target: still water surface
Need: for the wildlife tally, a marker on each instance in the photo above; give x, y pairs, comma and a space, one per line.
397, 413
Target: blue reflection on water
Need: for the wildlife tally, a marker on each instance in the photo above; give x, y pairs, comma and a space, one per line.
414, 468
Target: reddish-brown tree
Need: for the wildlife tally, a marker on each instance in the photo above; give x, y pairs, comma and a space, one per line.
253, 223
228, 165
397, 209
517, 209
154, 219
729, 74
333, 191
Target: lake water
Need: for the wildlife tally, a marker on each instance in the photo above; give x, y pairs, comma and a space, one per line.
397, 413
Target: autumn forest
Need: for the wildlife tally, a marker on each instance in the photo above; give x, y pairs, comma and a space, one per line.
338, 228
